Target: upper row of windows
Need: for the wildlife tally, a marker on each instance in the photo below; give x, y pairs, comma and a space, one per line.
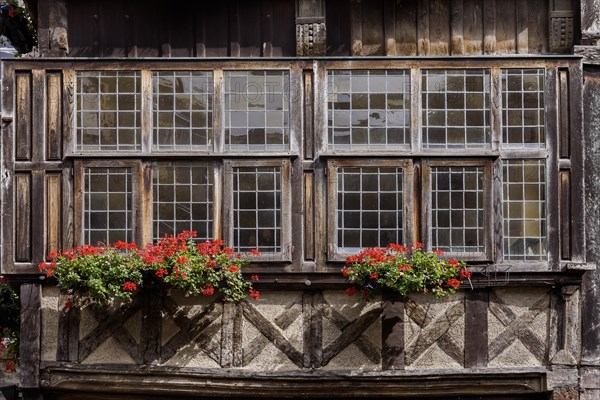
366, 110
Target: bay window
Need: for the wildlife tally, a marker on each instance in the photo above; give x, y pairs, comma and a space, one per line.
310, 167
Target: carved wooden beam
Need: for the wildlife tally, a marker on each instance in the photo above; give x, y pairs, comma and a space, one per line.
310, 28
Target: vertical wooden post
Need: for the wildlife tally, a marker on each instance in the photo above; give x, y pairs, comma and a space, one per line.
392, 332
476, 328
31, 305
151, 326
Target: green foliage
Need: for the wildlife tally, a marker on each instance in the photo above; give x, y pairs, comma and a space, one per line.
9, 325
403, 270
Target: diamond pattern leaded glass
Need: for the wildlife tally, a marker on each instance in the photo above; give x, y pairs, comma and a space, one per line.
457, 209
257, 105
525, 236
368, 109
257, 209
108, 111
182, 199
369, 210
456, 109
523, 108
182, 110
107, 205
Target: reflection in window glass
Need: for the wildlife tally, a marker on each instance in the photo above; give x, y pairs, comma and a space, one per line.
108, 110
183, 106
524, 210
456, 109
457, 210
368, 109
369, 207
257, 108
107, 205
523, 108
182, 200
257, 209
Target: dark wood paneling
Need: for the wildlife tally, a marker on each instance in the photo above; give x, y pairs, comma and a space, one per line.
564, 113
24, 116
338, 27
53, 116
373, 35
53, 212
68, 330
23, 217
439, 27
538, 26
565, 214
406, 28
31, 298
476, 328
506, 26
473, 26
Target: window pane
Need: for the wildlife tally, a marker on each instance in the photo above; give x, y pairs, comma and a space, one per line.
457, 221
257, 209
368, 109
456, 109
182, 110
257, 108
107, 205
108, 111
523, 108
524, 210
369, 207
182, 200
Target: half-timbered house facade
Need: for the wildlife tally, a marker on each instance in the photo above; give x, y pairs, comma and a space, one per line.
310, 129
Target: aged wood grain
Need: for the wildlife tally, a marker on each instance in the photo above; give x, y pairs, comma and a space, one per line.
522, 27
457, 27
23, 216
24, 116
272, 333
31, 297
537, 31
473, 27
392, 332
373, 28
53, 116
506, 26
476, 328
356, 34
489, 26
389, 23
439, 27
423, 28
309, 216
553, 217
564, 114
151, 331
565, 214
53, 212
406, 28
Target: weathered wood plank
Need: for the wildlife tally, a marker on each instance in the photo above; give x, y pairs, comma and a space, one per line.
24, 116
267, 29
457, 27
68, 110
356, 34
68, 329
53, 212
439, 27
308, 116
53, 116
38, 201
537, 31
473, 27
309, 216
476, 328
406, 28
489, 26
227, 341
151, 331
564, 114
31, 298
392, 332
234, 30
373, 28
389, 21
565, 214
58, 39
522, 27
553, 218
506, 40
23, 183
272, 333
423, 28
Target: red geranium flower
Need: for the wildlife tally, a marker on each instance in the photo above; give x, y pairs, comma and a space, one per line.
351, 291
255, 294
465, 274
129, 287
453, 283
254, 277
255, 252
234, 269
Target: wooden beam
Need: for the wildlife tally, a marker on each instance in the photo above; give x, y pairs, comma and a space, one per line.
457, 27
392, 332
476, 328
31, 305
356, 27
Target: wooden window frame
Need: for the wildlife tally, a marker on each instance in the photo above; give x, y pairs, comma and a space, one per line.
488, 213
285, 255
337, 254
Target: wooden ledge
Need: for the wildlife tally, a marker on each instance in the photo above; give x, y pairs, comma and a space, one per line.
173, 381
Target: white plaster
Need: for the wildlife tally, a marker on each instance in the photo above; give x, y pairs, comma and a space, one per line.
50, 312
109, 352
